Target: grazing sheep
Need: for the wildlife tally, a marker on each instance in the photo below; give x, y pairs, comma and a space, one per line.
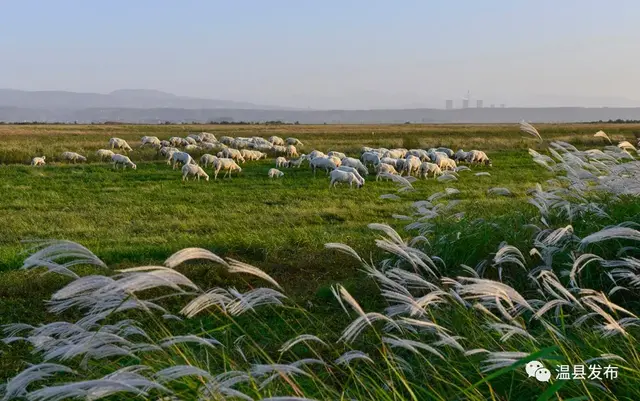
400, 165
281, 162
354, 171
177, 141
253, 155
275, 173
323, 163
190, 141
447, 164
193, 170
427, 168
122, 159
355, 163
297, 163
315, 153
228, 165
73, 157
384, 168
370, 158
208, 145
278, 149
150, 140
207, 137
38, 161
230, 153
192, 148
343, 176
335, 160
227, 140
460, 156
207, 159
446, 151
292, 151
104, 154
411, 165
195, 137
339, 155
390, 161
276, 140
117, 143
419, 153
293, 141
395, 153
478, 157
165, 143
181, 157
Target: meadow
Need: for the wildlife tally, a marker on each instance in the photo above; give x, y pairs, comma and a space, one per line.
141, 217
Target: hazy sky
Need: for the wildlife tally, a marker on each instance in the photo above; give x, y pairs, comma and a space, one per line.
329, 54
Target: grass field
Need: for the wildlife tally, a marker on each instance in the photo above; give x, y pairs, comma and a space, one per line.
131, 218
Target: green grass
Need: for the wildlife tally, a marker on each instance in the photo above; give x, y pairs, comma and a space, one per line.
130, 218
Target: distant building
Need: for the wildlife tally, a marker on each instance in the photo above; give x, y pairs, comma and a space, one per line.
493, 106
465, 103
479, 103
449, 104
502, 106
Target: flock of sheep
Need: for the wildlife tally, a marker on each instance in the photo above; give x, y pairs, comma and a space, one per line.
231, 152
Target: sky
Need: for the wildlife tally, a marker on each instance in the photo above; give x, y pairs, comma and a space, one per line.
329, 53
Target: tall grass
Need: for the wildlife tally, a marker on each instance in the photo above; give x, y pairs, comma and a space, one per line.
565, 295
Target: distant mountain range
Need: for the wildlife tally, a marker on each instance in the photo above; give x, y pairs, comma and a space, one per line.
153, 107
123, 98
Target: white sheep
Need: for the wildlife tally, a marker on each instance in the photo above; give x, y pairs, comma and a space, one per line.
104, 154
460, 156
383, 169
38, 161
281, 162
370, 158
118, 143
118, 159
150, 140
193, 170
354, 171
411, 165
390, 161
275, 173
195, 137
164, 143
208, 137
177, 141
478, 157
446, 151
293, 141
207, 159
192, 148
181, 157
228, 165
315, 153
355, 163
447, 164
339, 155
343, 176
336, 160
395, 153
297, 162
276, 140
227, 140
419, 153
231, 153
427, 168
291, 151
323, 163
73, 157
